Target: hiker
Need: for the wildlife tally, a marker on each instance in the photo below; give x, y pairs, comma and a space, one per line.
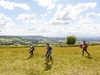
48, 53
31, 50
84, 47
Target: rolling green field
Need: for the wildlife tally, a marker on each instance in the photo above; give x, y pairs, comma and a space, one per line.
66, 61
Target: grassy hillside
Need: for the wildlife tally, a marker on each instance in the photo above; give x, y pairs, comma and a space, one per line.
66, 61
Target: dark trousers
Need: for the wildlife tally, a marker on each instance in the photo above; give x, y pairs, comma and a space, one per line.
31, 52
85, 51
48, 56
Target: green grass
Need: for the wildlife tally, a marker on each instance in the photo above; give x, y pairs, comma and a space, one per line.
66, 61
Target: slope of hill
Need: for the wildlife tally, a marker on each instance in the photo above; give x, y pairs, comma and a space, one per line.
26, 40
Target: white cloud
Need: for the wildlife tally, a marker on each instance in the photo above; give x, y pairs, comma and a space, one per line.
47, 23
72, 20
98, 15
45, 30
40, 20
5, 21
87, 19
11, 5
48, 12
27, 17
55, 30
44, 15
71, 13
59, 7
90, 15
47, 3
23, 6
86, 29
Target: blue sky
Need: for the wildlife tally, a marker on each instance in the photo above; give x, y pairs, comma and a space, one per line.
53, 18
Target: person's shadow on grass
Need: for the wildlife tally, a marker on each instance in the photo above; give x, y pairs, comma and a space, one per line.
89, 57
30, 57
48, 67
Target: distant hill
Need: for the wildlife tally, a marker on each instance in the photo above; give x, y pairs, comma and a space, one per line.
87, 38
26, 40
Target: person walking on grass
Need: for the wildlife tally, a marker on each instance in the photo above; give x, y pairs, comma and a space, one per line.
84, 47
48, 53
31, 50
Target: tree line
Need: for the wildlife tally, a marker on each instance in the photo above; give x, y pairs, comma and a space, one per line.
15, 40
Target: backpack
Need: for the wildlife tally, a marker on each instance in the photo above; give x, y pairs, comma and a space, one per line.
86, 45
50, 48
32, 48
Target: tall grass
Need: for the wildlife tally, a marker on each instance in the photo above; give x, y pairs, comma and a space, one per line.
66, 61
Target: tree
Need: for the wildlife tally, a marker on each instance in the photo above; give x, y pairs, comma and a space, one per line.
71, 40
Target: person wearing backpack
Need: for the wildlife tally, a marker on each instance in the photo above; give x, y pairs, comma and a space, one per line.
48, 53
31, 50
84, 47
